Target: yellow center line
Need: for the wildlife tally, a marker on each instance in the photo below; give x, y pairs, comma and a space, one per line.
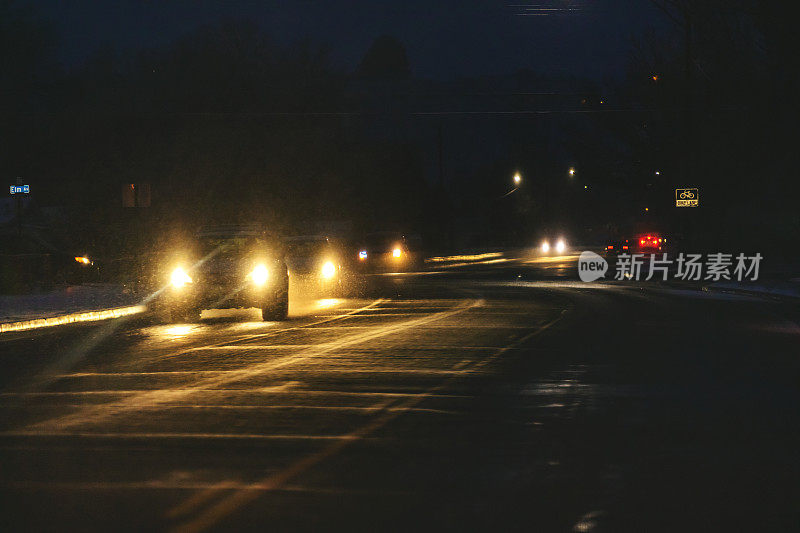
229, 504
97, 414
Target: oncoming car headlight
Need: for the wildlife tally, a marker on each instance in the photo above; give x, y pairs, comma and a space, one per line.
328, 270
545, 247
179, 278
561, 246
259, 275
397, 252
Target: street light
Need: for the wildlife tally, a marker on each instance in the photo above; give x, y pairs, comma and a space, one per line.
517, 180
571, 171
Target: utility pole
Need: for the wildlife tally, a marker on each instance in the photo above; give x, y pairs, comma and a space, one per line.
689, 96
681, 12
19, 209
441, 158
442, 211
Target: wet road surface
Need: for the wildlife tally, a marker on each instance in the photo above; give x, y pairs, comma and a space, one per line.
499, 396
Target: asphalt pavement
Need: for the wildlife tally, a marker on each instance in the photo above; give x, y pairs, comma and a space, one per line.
495, 396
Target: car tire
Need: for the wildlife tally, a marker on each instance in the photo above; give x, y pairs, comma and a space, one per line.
276, 311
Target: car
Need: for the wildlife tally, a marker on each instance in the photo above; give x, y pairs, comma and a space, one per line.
231, 266
617, 247
316, 263
388, 250
649, 242
553, 246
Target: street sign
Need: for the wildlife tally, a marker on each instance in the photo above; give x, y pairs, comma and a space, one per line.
687, 197
20, 189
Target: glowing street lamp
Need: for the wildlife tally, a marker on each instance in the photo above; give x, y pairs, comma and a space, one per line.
571, 171
517, 179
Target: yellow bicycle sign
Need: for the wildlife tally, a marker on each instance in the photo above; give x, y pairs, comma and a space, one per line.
687, 198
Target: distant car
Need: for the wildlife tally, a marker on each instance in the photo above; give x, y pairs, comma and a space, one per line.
227, 267
389, 251
617, 247
316, 263
553, 246
649, 243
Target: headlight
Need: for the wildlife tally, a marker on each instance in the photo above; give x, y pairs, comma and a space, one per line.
328, 270
545, 247
259, 275
362, 255
397, 252
83, 260
179, 278
561, 246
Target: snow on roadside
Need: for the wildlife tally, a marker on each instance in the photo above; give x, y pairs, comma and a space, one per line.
71, 299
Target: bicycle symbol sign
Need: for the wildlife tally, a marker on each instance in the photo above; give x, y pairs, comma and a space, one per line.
687, 198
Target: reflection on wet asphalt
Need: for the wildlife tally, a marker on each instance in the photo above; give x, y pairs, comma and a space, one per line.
448, 401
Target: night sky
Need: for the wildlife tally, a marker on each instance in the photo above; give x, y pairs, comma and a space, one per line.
444, 39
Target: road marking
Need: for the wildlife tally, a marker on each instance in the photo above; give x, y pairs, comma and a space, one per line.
174, 484
318, 368
245, 338
143, 435
97, 413
254, 347
263, 390
229, 504
299, 346
196, 406
459, 265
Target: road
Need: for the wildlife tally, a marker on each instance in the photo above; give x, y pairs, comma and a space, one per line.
497, 396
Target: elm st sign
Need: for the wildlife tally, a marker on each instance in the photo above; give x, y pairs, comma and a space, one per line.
687, 197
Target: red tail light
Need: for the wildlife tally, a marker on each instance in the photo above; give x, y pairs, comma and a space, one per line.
642, 242
609, 247
625, 247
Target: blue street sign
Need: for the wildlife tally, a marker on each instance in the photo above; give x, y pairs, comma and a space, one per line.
20, 189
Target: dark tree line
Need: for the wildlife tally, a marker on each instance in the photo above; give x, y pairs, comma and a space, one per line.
224, 126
